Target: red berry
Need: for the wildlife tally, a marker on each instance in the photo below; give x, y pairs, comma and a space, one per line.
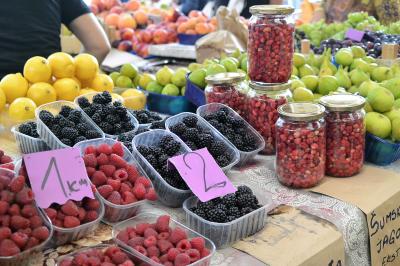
90, 150
115, 198
126, 263
136, 241
105, 190
7, 196
36, 221
25, 196
29, 211
5, 180
117, 160
98, 178
91, 216
17, 184
5, 232
19, 222
4, 206
51, 213
177, 235
183, 245
163, 235
82, 214
144, 181
108, 169
118, 149
91, 204
124, 187
141, 250
205, 252
71, 221
120, 174
60, 215
58, 223
164, 245
102, 159
194, 254
182, 260
5, 220
140, 191
172, 253
128, 197
150, 241
32, 242
104, 148
116, 184
150, 232
5, 159
69, 208
90, 171
151, 195
198, 243
90, 160
168, 263
14, 209
164, 258
140, 228
154, 258
133, 173
153, 251
119, 257
123, 236
8, 248
162, 224
41, 233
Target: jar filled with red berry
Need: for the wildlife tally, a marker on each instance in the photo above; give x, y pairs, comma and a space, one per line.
300, 144
271, 43
262, 110
345, 130
229, 89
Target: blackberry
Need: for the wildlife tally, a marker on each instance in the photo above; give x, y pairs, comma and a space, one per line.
216, 125
205, 206
152, 160
143, 150
243, 190
162, 160
69, 133
83, 102
246, 210
56, 129
65, 110
89, 111
191, 145
107, 97
173, 148
221, 207
121, 111
209, 117
246, 200
216, 201
92, 134
242, 132
217, 148
234, 211
158, 125
82, 128
74, 118
179, 128
230, 218
117, 104
190, 121
200, 213
165, 141
225, 110
79, 139
65, 123
216, 215
67, 142
33, 125
96, 118
204, 140
249, 141
143, 118
155, 117
229, 200
191, 134
222, 160
221, 116
25, 129
238, 142
238, 123
106, 127
107, 110
117, 128
46, 117
112, 119
128, 127
155, 150
98, 98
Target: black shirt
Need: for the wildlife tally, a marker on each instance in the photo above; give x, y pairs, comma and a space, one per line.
32, 27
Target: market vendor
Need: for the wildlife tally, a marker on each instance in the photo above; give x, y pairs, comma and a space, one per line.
30, 28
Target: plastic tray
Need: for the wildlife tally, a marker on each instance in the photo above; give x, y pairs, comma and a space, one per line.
225, 234
380, 151
245, 157
193, 93
113, 212
189, 39
167, 194
24, 258
152, 218
55, 107
28, 144
231, 150
90, 96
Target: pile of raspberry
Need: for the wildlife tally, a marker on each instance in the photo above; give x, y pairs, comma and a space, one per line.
118, 181
6, 161
163, 244
111, 256
21, 226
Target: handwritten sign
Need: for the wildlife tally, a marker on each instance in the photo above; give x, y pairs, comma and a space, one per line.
335, 263
57, 176
354, 35
202, 174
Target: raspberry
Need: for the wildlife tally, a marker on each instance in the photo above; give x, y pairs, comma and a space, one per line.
123, 236
29, 211
91, 204
13, 210
58, 223
41, 233
117, 160
121, 175
60, 215
205, 252
51, 213
7, 196
119, 257
102, 159
154, 258
162, 224
98, 178
5, 159
168, 263
19, 222
183, 245
151, 195
115, 198
104, 148
9, 166
118, 149
132, 234
150, 232
141, 250
164, 245
140, 228
82, 213
194, 254
108, 169
90, 216
25, 196
150, 241
163, 235
71, 221
93, 261
5, 220
5, 233
115, 184
8, 248
132, 173
124, 187
164, 258
126, 263
136, 241
198, 243
33, 241
17, 184
90, 171
90, 150
105, 190
4, 206
153, 251
128, 197
172, 253
90, 160
36, 221
69, 208
182, 260
4, 180
143, 180
140, 191
177, 235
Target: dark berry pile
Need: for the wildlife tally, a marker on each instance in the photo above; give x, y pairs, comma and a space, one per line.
158, 124
69, 125
233, 129
146, 117
198, 137
229, 207
112, 118
158, 156
29, 129
126, 138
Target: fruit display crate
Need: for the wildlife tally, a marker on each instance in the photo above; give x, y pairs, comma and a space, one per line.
380, 151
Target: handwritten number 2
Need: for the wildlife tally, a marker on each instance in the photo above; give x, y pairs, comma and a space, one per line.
206, 188
46, 176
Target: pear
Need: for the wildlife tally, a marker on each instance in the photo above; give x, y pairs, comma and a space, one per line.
396, 69
396, 130
381, 99
378, 124
305, 70
327, 68
343, 78
299, 60
344, 57
393, 114
295, 84
393, 85
358, 52
358, 76
368, 107
295, 71
312, 60
360, 64
382, 73
354, 90
366, 87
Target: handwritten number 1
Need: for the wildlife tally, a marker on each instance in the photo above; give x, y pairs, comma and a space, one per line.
46, 176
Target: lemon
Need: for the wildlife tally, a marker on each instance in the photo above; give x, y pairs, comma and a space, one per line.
86, 67
85, 83
62, 65
102, 82
86, 91
78, 81
2, 99
134, 99
22, 109
66, 89
145, 80
14, 86
37, 69
42, 93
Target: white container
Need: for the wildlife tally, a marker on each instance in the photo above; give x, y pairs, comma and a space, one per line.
245, 157
28, 144
167, 194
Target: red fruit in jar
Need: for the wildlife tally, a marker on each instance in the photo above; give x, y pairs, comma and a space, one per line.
229, 95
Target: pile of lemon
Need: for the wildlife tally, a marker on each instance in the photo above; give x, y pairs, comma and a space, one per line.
59, 77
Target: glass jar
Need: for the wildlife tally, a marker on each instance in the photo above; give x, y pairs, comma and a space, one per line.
271, 44
262, 110
300, 144
229, 89
345, 141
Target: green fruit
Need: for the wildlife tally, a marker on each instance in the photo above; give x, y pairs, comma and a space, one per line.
215, 69
354, 89
198, 76
299, 59
357, 51
301, 94
136, 80
154, 86
164, 75
396, 104
295, 84
317, 96
123, 82
369, 59
183, 90
327, 84
382, 73
237, 62
310, 82
368, 107
344, 57
366, 87
129, 70
393, 114
393, 85
295, 72
145, 80
179, 78
229, 64
171, 90
343, 78
208, 62
396, 129
360, 64
305, 70
236, 53
378, 124
114, 76
194, 66
315, 69
243, 63
358, 76
381, 99
293, 77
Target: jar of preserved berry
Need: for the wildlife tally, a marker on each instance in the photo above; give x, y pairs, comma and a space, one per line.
345, 134
229, 89
300, 144
262, 110
271, 43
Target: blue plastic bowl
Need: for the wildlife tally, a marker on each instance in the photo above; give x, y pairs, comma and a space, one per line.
194, 94
189, 39
380, 151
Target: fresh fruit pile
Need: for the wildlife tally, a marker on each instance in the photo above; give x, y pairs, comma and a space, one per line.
158, 124
166, 81
21, 226
197, 136
111, 117
110, 256
73, 213
29, 129
126, 138
163, 244
69, 125
6, 161
146, 117
233, 129
116, 180
229, 207
158, 155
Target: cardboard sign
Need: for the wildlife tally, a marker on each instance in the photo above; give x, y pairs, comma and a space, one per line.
202, 174
354, 35
57, 176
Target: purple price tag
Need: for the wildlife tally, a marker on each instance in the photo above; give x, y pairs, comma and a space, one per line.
355, 35
57, 176
202, 174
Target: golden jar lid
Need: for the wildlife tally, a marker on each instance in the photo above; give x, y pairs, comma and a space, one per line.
301, 111
225, 78
271, 9
269, 86
342, 102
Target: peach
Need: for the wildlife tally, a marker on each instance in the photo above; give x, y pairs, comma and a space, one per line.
141, 17
127, 34
202, 28
132, 5
145, 36
125, 46
112, 19
182, 19
183, 27
191, 32
192, 23
195, 13
201, 19
160, 36
126, 21
117, 10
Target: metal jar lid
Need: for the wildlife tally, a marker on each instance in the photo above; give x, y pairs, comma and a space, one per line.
271, 9
301, 111
225, 78
269, 86
342, 102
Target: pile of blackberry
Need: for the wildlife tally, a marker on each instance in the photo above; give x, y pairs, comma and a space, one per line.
158, 156
29, 129
197, 137
112, 118
68, 126
126, 138
229, 207
146, 117
233, 129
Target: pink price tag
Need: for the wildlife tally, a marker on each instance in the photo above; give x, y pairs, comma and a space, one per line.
354, 35
57, 176
202, 174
